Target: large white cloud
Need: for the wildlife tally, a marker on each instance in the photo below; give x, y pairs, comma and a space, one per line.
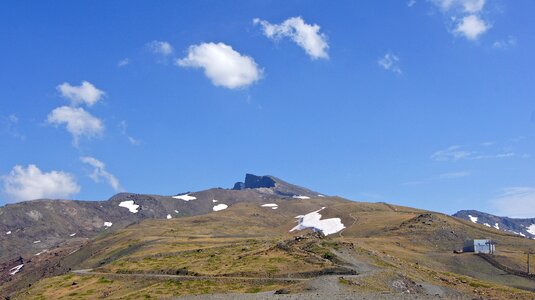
516, 202
223, 65
307, 36
85, 93
471, 27
31, 183
99, 171
78, 122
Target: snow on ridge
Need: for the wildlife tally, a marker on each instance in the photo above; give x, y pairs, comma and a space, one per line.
487, 224
185, 197
220, 207
132, 207
270, 205
473, 219
300, 197
108, 224
531, 229
15, 269
497, 226
313, 220
169, 216
320, 195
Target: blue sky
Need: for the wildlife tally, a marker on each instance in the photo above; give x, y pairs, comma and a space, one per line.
422, 103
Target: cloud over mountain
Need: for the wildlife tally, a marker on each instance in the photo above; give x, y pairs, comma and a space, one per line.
31, 183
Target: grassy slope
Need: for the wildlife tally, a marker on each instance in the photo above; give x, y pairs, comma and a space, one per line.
247, 240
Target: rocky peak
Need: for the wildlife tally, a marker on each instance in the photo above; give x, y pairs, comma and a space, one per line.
254, 182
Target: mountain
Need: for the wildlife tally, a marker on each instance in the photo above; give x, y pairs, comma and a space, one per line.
29, 227
521, 227
261, 237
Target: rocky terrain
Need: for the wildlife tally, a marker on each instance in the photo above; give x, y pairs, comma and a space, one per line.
521, 227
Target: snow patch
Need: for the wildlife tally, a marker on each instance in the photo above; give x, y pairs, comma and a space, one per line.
270, 205
497, 226
313, 220
37, 254
169, 217
185, 197
275, 207
132, 207
214, 200
108, 224
220, 207
473, 219
531, 229
36, 242
9, 232
176, 211
15, 270
320, 195
486, 224
72, 234
300, 197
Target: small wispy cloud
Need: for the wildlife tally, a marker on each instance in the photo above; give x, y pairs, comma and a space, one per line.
509, 43
160, 48
123, 62
9, 124
453, 175
307, 36
456, 152
390, 62
517, 202
411, 3
123, 127
100, 172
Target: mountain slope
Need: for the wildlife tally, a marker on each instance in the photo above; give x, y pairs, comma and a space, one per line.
521, 227
250, 247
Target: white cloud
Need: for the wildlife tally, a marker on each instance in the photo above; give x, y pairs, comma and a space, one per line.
123, 62
99, 171
467, 6
390, 62
518, 202
85, 93
123, 126
31, 183
466, 17
471, 27
505, 44
451, 153
411, 3
307, 36
454, 153
454, 175
222, 65
161, 48
9, 126
78, 122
